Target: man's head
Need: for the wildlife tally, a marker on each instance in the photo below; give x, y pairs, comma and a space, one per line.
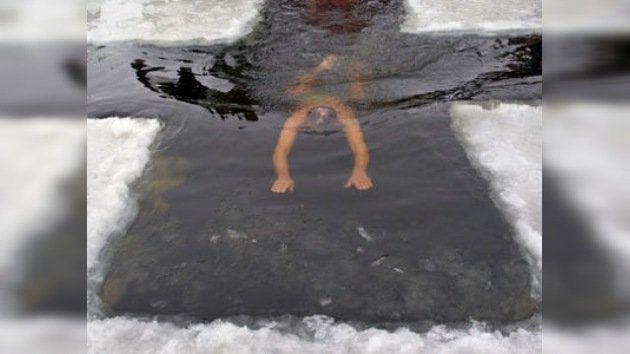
321, 120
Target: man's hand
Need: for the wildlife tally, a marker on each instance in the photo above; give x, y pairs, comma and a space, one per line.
360, 181
328, 62
283, 185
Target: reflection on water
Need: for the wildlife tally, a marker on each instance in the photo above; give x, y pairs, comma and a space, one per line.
167, 173
234, 102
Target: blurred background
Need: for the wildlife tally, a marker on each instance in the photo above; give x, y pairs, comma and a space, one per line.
43, 186
42, 176
586, 168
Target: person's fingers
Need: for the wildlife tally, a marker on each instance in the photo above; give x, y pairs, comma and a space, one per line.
348, 184
363, 186
277, 188
282, 187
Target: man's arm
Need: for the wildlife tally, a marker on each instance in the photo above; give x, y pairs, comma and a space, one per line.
359, 178
305, 81
357, 90
284, 183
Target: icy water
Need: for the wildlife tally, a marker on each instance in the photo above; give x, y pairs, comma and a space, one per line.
194, 235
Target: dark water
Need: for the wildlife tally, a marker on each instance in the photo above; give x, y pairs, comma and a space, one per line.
212, 241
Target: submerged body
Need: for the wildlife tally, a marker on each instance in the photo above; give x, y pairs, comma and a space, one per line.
315, 113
